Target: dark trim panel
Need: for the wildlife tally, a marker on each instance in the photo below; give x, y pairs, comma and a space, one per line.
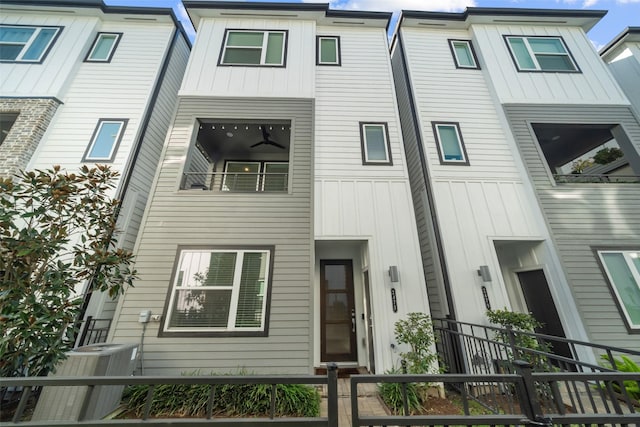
363, 145
47, 50
338, 56
284, 49
162, 333
113, 48
595, 250
500, 11
515, 61
443, 161
116, 143
627, 31
455, 57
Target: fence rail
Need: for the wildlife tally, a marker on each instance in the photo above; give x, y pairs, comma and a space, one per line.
246, 182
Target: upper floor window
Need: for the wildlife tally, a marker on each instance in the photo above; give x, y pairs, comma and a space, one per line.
449, 142
463, 54
374, 139
328, 50
105, 140
258, 48
103, 47
20, 43
220, 290
541, 53
622, 270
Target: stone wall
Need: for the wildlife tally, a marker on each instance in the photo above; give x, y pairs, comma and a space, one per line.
34, 116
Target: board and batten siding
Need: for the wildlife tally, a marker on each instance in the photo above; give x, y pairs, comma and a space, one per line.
424, 222
204, 77
196, 217
626, 69
593, 85
51, 77
584, 216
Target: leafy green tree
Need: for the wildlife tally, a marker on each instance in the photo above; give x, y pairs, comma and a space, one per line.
417, 331
56, 233
607, 155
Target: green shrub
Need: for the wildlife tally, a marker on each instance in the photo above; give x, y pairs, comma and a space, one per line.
417, 331
624, 364
293, 400
391, 394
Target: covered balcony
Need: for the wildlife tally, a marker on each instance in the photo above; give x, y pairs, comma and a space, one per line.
247, 156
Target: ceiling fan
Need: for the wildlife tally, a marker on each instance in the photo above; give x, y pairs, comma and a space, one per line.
266, 140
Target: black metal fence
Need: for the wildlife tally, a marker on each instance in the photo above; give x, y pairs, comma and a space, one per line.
93, 331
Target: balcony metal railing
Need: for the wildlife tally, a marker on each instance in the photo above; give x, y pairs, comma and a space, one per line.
593, 178
239, 182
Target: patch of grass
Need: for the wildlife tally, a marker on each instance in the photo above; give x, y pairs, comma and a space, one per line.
230, 400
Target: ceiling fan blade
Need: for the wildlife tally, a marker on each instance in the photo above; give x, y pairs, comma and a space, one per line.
256, 144
265, 134
277, 145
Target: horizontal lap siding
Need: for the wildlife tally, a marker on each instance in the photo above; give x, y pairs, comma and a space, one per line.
582, 216
212, 218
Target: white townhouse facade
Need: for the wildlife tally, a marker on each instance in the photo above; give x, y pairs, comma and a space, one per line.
82, 83
280, 232
523, 153
622, 55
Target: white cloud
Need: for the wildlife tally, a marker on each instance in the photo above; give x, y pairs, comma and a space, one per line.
396, 5
591, 3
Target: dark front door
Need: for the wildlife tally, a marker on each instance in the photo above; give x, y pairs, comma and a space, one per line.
369, 323
540, 303
337, 318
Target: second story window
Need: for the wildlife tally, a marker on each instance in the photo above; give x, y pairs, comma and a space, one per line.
257, 48
328, 50
541, 53
103, 47
20, 43
463, 54
374, 138
105, 140
449, 143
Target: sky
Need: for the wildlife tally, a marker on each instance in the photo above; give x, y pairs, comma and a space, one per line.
622, 13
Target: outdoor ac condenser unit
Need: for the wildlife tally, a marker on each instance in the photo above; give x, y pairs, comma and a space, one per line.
64, 403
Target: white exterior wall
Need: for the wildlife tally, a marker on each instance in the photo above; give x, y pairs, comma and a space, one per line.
51, 77
205, 78
366, 202
487, 200
625, 67
593, 85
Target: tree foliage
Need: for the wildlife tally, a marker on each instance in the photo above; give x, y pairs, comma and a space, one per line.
417, 331
56, 232
607, 155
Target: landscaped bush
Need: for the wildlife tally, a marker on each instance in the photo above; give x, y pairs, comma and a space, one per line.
391, 394
230, 400
624, 364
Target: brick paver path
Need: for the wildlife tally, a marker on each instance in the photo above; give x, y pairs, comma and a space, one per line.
368, 402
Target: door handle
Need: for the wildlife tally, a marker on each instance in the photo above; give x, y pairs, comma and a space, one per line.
353, 320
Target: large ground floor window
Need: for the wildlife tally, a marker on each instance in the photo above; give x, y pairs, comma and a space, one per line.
220, 291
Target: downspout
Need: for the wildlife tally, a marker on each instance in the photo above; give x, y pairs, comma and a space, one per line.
121, 193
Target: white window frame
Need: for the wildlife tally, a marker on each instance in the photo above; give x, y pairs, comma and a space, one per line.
263, 52
112, 50
365, 149
472, 54
627, 255
26, 45
534, 58
319, 50
235, 290
116, 142
441, 154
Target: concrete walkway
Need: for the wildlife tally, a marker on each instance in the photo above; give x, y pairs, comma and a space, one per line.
368, 402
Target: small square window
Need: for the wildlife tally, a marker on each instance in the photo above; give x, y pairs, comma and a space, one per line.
103, 47
328, 50
105, 140
220, 291
374, 138
449, 142
21, 43
463, 54
257, 48
622, 268
541, 53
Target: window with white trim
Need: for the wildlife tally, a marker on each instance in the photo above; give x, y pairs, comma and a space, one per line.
105, 140
21, 43
622, 269
374, 140
328, 50
103, 47
541, 53
449, 143
220, 290
250, 47
463, 54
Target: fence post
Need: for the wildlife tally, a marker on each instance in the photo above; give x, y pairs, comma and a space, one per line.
512, 342
332, 394
527, 394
